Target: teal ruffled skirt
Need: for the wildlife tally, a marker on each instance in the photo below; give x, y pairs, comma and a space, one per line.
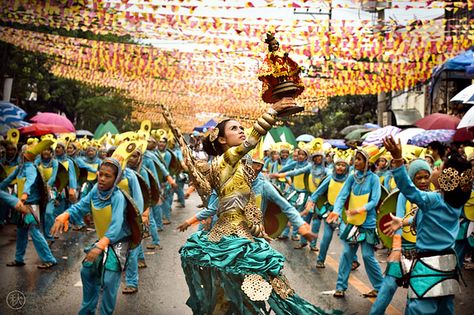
215, 271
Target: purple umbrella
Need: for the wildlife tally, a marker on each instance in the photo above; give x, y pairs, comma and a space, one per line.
424, 138
54, 119
375, 137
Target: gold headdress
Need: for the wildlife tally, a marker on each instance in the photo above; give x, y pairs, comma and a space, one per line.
315, 147
13, 135
342, 157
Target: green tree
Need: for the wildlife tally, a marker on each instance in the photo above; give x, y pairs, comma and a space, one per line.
36, 89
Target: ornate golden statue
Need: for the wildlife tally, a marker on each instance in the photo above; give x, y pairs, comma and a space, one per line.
280, 76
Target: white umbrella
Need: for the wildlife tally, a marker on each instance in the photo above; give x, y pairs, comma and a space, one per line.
407, 134
468, 119
376, 137
464, 95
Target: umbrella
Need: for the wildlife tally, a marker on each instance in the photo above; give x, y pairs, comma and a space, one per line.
54, 119
375, 137
304, 138
350, 128
14, 124
357, 134
84, 133
470, 101
438, 121
464, 95
426, 137
38, 129
462, 135
338, 143
407, 134
468, 119
371, 125
10, 113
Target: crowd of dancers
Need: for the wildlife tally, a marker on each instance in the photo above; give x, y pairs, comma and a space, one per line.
416, 202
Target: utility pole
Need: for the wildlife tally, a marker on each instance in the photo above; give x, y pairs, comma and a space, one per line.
382, 96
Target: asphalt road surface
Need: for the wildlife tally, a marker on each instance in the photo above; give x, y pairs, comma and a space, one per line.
162, 287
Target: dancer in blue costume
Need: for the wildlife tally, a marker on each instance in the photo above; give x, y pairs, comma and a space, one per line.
29, 193
93, 162
168, 190
434, 275
285, 149
331, 186
9, 162
232, 269
108, 207
48, 168
363, 191
404, 239
316, 176
299, 191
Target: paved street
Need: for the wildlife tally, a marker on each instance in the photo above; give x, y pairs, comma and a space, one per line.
162, 288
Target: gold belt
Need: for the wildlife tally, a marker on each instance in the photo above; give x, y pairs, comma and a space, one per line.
234, 217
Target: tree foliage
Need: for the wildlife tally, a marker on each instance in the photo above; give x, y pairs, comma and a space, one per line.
84, 105
341, 111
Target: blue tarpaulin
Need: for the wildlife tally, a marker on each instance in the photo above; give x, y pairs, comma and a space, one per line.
210, 124
463, 62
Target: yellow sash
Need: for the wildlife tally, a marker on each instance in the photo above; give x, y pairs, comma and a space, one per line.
333, 190
20, 186
356, 202
469, 208
382, 179
124, 185
279, 167
393, 184
313, 183
46, 172
298, 182
406, 233
102, 218
65, 163
9, 170
91, 176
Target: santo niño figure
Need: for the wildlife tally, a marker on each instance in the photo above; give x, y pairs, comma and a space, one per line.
279, 75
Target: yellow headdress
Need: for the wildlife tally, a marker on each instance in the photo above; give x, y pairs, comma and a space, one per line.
32, 151
275, 147
285, 146
341, 156
32, 141
145, 129
469, 153
371, 152
123, 152
13, 135
411, 152
125, 137
304, 146
159, 134
315, 147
